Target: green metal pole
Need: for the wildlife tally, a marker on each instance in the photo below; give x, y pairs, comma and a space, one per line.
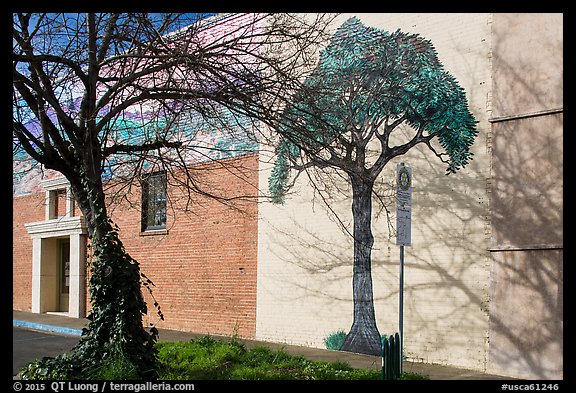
401, 301
383, 341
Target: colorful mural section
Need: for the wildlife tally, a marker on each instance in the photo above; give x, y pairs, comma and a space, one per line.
206, 130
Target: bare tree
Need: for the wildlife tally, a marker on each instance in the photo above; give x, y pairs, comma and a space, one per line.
100, 96
370, 89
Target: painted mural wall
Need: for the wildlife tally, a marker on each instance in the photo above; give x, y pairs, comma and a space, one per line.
305, 253
456, 296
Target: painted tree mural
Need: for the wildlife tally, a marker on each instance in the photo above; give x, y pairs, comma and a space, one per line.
370, 84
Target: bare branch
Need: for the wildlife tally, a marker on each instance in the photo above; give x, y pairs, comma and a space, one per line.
149, 146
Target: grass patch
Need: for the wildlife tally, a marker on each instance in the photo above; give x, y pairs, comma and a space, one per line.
207, 358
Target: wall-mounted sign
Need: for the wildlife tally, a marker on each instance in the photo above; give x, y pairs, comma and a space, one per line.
403, 205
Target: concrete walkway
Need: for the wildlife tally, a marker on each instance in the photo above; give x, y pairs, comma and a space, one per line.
61, 324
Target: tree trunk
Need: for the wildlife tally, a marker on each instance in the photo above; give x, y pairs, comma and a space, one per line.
364, 336
117, 304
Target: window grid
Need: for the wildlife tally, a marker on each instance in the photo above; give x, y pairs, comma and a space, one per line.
154, 202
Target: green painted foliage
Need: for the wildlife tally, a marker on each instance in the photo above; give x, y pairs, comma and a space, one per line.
335, 340
366, 77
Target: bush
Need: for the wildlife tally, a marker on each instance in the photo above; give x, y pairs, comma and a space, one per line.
47, 368
114, 365
335, 340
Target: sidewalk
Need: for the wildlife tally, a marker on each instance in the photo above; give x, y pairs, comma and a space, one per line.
72, 326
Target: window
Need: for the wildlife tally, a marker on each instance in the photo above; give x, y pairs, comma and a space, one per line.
154, 202
60, 203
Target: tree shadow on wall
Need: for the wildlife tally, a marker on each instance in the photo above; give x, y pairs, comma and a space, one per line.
460, 299
526, 311
527, 247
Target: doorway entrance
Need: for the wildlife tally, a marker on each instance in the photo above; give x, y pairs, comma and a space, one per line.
63, 275
59, 254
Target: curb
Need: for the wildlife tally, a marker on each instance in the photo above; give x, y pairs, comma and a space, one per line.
47, 328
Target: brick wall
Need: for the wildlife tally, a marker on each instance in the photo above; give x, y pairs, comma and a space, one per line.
204, 267
27, 208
